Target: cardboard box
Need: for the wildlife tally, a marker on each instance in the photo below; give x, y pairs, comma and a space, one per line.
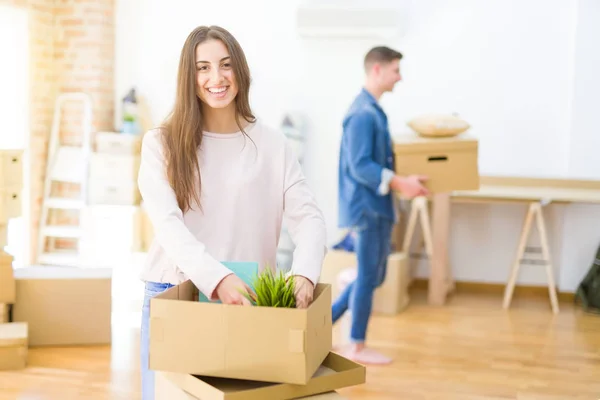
336, 372
4, 313
335, 262
450, 163
3, 236
117, 143
114, 227
114, 192
7, 279
10, 203
63, 305
324, 396
114, 167
392, 296
230, 341
11, 168
147, 230
13, 346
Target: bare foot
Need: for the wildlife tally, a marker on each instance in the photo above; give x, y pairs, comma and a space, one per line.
365, 356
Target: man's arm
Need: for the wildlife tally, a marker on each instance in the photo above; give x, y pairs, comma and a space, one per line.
359, 136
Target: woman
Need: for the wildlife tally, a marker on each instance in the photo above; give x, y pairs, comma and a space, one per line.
216, 184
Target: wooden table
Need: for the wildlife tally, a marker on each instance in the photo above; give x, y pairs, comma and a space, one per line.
537, 193
507, 189
434, 232
439, 285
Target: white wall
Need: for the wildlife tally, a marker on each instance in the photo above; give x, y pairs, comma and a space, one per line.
508, 67
581, 233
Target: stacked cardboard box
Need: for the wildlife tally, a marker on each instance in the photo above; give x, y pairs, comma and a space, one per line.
114, 227
114, 167
7, 286
231, 352
113, 217
146, 229
13, 336
64, 306
11, 185
13, 346
391, 298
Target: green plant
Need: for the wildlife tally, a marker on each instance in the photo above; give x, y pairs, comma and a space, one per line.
272, 290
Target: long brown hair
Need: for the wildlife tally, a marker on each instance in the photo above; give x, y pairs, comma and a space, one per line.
182, 131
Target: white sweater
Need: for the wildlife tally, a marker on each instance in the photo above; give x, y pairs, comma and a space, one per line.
247, 188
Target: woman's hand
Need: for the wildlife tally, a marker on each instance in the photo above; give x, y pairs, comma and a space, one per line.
303, 290
230, 291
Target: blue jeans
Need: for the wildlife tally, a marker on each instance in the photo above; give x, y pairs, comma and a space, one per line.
373, 246
151, 290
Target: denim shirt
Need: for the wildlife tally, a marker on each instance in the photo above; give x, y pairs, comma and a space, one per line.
366, 164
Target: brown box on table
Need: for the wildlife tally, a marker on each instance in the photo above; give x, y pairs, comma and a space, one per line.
450, 163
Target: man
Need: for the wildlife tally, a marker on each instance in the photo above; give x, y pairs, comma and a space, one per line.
366, 183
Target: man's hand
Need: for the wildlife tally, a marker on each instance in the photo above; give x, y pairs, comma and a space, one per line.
409, 186
303, 290
230, 291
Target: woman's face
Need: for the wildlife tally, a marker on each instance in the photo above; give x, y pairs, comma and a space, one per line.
215, 80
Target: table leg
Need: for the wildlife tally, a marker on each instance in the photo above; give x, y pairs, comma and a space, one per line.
438, 279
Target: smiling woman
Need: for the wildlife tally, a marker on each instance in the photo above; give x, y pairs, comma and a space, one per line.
213, 198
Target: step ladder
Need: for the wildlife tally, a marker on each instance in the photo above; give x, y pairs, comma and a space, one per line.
66, 164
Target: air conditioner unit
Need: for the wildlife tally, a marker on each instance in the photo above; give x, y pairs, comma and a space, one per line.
351, 18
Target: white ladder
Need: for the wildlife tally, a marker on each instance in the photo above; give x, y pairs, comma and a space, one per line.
68, 164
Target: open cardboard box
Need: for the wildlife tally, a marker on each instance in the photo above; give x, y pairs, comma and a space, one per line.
336, 372
230, 341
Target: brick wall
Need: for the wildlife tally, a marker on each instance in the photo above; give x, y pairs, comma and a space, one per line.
71, 49
84, 58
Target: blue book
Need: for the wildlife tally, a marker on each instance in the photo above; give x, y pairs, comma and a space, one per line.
246, 271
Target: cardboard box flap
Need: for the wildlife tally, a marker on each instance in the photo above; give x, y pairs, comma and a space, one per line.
13, 334
416, 144
319, 328
336, 372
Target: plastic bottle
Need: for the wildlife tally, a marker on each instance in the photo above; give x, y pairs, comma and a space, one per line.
130, 123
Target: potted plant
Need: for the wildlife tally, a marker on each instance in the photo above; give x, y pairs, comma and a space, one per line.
272, 290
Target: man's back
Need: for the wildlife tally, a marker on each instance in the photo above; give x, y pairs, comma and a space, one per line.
366, 150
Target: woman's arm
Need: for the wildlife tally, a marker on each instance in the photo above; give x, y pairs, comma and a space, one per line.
305, 220
170, 231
